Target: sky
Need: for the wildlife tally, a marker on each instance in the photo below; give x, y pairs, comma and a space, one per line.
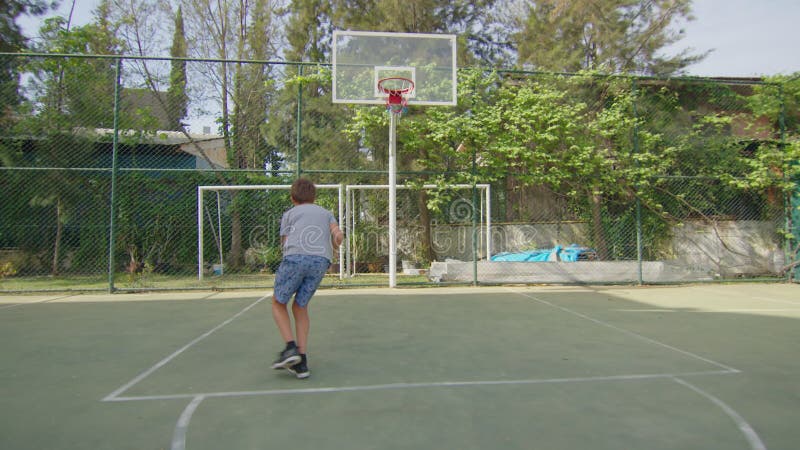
747, 37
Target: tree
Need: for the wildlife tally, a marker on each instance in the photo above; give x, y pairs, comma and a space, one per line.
483, 39
480, 41
177, 99
12, 40
140, 28
308, 31
65, 93
237, 31
254, 89
564, 135
611, 36
79, 91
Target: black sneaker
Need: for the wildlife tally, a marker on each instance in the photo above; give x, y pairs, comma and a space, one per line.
287, 358
300, 370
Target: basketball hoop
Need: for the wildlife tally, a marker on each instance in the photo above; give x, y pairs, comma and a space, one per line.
396, 88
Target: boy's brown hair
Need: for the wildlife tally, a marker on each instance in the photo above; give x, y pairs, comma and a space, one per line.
303, 191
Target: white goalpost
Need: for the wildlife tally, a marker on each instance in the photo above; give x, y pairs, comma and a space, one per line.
201, 190
346, 215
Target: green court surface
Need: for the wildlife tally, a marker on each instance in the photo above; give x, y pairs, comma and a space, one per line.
680, 367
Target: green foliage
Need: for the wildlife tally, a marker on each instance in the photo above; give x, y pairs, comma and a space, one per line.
323, 144
264, 259
150, 225
612, 36
74, 92
366, 238
603, 143
12, 40
582, 148
7, 270
177, 97
482, 36
309, 30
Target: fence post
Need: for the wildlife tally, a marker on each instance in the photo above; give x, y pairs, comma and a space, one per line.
787, 198
299, 125
638, 201
475, 211
791, 229
114, 169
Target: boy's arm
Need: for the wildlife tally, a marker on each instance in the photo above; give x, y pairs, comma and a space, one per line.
336, 236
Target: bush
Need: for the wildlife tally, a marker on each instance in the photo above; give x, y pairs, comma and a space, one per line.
7, 270
266, 259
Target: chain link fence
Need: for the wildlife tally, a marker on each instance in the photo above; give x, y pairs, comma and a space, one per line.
532, 178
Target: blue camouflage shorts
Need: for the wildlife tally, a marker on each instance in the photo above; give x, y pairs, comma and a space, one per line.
299, 275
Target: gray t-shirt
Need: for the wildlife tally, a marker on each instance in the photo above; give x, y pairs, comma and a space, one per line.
307, 228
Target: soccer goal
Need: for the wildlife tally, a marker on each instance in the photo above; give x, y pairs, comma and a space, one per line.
433, 222
258, 209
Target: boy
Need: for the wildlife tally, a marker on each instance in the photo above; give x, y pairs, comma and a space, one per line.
309, 236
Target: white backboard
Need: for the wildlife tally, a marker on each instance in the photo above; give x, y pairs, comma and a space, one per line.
361, 58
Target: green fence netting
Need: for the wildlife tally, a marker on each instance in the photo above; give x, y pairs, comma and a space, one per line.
532, 178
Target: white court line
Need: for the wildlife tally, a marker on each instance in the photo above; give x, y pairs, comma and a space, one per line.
36, 303
628, 332
711, 312
181, 428
179, 435
748, 431
175, 354
436, 384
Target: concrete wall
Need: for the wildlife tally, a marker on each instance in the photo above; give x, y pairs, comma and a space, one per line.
699, 251
729, 248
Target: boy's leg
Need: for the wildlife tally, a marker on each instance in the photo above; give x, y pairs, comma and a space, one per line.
290, 355
314, 271
287, 280
281, 317
302, 323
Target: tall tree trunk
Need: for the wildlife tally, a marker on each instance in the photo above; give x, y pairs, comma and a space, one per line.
235, 254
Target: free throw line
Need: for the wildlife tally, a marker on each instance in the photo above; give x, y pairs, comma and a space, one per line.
158, 365
435, 384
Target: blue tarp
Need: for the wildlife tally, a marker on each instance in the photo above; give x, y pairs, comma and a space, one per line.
571, 253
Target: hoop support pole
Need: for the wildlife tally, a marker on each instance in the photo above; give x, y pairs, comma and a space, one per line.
392, 200
200, 233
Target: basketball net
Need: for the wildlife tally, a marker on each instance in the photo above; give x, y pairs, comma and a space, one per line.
396, 89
